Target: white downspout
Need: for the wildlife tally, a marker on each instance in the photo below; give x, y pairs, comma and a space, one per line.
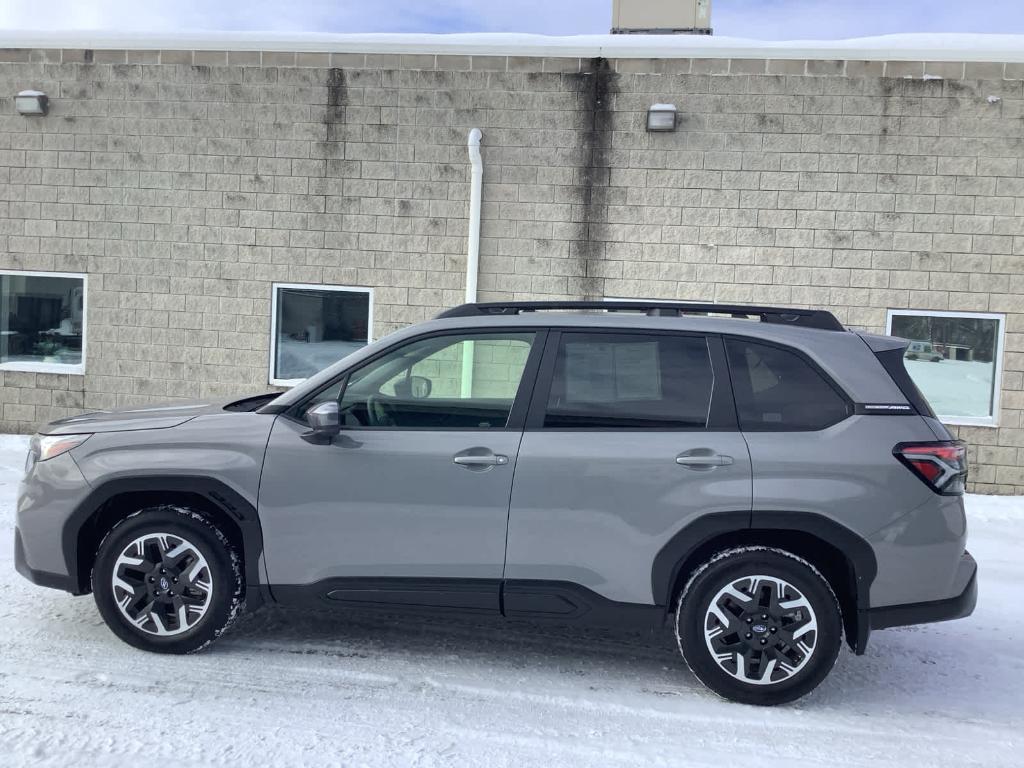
475, 187
473, 253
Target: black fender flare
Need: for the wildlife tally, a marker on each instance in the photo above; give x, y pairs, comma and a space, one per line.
668, 563
221, 495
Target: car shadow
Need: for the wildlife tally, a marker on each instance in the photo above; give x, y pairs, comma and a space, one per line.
904, 670
938, 670
493, 642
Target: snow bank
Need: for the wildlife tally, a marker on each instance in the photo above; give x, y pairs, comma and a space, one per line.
906, 47
990, 509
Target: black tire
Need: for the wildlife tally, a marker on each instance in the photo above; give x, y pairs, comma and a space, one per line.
222, 602
694, 618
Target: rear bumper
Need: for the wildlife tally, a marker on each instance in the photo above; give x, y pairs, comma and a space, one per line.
42, 578
956, 607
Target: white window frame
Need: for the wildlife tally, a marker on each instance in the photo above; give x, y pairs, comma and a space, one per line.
71, 368
309, 287
997, 374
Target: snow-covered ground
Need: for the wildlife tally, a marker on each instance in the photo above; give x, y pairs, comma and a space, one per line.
291, 688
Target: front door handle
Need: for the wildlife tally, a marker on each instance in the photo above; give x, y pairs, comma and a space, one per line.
703, 460
487, 460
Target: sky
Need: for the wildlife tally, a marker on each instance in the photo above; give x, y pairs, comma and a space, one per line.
762, 19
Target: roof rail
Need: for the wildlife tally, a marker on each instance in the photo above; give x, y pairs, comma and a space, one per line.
806, 318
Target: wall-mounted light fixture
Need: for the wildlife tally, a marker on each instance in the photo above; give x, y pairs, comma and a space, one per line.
31, 103
661, 117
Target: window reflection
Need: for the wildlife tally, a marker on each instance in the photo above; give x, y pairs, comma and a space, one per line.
41, 319
316, 327
953, 359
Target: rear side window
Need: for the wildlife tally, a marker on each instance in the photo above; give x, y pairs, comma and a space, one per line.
630, 381
777, 390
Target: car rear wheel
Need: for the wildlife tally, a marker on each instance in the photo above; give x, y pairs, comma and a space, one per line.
759, 626
167, 579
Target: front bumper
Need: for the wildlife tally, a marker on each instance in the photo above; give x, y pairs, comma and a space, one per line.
45, 540
957, 607
42, 578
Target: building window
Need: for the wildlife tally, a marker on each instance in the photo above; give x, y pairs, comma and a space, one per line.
314, 326
42, 322
956, 360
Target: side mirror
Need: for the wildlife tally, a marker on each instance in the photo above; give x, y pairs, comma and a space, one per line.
414, 388
420, 386
325, 419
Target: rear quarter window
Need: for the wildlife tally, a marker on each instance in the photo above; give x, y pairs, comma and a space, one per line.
777, 390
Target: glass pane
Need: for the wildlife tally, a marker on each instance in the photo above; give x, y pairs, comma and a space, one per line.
317, 328
445, 382
952, 360
41, 319
630, 381
776, 390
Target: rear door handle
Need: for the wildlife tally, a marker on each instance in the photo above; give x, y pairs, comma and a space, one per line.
491, 460
714, 460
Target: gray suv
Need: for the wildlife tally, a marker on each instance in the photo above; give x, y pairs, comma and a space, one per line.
765, 487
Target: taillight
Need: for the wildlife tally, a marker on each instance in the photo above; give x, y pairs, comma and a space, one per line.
942, 466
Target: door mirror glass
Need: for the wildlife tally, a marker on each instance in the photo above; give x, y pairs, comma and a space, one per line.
324, 419
414, 388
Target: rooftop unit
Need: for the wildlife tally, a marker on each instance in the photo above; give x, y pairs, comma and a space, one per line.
661, 17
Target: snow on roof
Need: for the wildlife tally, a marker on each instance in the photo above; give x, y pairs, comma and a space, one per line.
909, 47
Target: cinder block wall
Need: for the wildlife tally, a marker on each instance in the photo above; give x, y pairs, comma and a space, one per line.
186, 182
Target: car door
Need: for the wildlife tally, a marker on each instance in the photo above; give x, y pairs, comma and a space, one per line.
630, 437
408, 504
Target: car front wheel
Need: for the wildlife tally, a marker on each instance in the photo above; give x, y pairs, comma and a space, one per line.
759, 625
167, 579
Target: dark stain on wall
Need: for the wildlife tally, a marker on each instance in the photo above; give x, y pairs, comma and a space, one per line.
332, 147
889, 93
334, 115
594, 88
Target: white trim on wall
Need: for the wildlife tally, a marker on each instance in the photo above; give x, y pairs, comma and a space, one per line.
997, 374
31, 367
275, 287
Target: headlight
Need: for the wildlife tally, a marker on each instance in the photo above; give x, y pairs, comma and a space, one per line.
45, 447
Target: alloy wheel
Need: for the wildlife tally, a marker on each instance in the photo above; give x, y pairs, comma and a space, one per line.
162, 584
761, 630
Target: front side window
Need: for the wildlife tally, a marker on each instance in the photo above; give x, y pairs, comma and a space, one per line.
630, 381
776, 390
954, 358
42, 322
442, 382
316, 326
